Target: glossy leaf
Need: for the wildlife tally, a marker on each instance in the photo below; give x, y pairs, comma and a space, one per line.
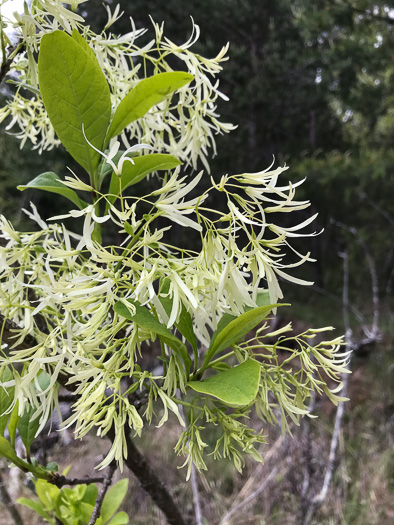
237, 386
75, 94
49, 182
147, 93
236, 329
113, 499
143, 166
6, 398
27, 427
90, 495
146, 320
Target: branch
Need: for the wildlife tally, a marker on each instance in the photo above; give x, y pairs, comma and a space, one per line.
100, 498
250, 498
140, 467
60, 481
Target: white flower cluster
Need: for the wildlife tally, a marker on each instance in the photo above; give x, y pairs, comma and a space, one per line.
61, 289
184, 126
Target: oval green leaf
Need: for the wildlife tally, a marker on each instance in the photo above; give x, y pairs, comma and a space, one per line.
113, 499
237, 386
147, 93
49, 181
75, 94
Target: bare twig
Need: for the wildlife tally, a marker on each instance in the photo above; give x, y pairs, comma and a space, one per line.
254, 479
9, 504
60, 481
249, 499
105, 486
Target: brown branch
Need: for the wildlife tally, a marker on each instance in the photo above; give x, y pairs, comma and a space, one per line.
100, 498
150, 482
60, 481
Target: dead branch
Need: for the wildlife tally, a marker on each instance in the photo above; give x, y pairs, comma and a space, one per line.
249, 499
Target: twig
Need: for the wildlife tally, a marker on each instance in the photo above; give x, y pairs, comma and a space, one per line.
10, 505
250, 498
99, 501
150, 482
60, 481
254, 478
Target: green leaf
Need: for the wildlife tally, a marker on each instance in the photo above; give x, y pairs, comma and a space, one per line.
13, 422
235, 387
75, 94
48, 493
90, 495
34, 505
48, 181
120, 519
133, 173
7, 451
27, 427
185, 323
224, 321
147, 93
235, 330
146, 320
113, 499
6, 398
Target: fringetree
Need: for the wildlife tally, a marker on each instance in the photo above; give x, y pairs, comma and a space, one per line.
75, 309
